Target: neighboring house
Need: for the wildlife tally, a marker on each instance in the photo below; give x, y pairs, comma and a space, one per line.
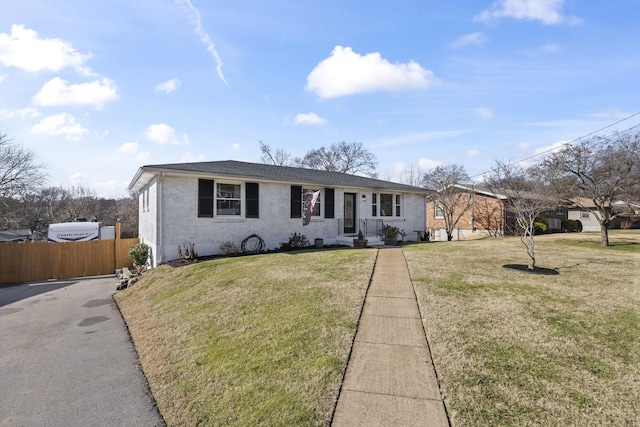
209, 204
488, 215
583, 209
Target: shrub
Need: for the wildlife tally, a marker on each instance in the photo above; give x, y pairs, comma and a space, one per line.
578, 225
540, 226
139, 253
229, 248
188, 252
298, 241
391, 232
570, 225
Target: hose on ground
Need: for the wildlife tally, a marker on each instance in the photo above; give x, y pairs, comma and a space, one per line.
252, 244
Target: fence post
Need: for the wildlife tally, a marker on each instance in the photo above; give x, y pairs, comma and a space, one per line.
116, 246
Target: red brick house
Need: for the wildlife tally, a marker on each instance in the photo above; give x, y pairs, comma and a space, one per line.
488, 215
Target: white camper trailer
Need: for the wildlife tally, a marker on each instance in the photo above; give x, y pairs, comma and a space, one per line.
80, 232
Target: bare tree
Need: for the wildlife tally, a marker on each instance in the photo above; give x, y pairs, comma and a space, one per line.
603, 170
412, 175
81, 203
127, 213
489, 215
277, 157
343, 157
527, 196
19, 175
452, 200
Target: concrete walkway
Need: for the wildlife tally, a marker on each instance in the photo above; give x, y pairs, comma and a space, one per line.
390, 378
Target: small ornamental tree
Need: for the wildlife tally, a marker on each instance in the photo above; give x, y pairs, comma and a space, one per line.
528, 198
139, 254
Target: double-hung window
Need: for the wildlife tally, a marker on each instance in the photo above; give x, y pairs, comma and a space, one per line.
228, 199
223, 199
439, 211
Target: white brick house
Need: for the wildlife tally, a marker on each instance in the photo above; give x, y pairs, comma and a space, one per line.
210, 203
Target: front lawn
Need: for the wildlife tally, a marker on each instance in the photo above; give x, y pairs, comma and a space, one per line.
258, 340
513, 348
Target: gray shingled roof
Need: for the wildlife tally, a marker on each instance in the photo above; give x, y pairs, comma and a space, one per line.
244, 170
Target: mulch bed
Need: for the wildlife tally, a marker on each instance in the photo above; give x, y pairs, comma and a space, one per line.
525, 269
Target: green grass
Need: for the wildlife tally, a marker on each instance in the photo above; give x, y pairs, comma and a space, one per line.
518, 349
260, 340
264, 340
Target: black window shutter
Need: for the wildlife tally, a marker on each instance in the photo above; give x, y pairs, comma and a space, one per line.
329, 196
253, 200
296, 201
205, 198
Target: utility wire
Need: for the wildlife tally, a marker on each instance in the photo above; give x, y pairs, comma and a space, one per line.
570, 142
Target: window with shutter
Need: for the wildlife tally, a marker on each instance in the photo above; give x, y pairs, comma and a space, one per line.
329, 201
296, 201
252, 195
205, 198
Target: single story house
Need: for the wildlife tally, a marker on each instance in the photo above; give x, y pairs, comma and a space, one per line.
209, 204
488, 214
584, 209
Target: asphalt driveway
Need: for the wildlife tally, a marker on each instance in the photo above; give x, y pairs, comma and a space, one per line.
66, 358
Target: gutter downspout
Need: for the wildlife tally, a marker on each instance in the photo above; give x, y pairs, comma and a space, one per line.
160, 232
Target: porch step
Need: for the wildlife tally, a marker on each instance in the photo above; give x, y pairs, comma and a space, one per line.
347, 240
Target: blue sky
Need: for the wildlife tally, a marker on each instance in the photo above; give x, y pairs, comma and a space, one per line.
97, 89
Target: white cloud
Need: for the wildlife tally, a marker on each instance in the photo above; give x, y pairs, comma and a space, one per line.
57, 92
422, 137
524, 145
610, 113
474, 153
60, 124
547, 11
194, 17
168, 86
190, 157
347, 73
77, 178
474, 39
484, 113
309, 119
23, 49
427, 164
2, 76
131, 149
236, 147
553, 148
128, 148
23, 113
164, 134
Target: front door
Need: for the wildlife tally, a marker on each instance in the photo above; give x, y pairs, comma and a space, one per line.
349, 213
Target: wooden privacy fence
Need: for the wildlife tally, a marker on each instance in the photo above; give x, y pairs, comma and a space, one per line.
25, 262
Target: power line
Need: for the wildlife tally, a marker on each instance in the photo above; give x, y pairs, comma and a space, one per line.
571, 141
